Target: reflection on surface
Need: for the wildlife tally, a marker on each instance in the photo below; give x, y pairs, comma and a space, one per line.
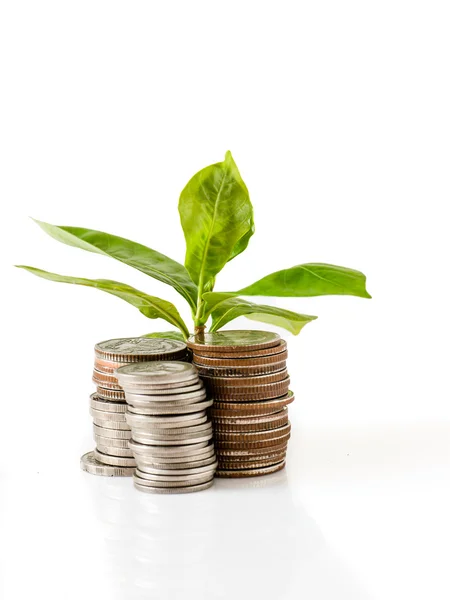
240, 539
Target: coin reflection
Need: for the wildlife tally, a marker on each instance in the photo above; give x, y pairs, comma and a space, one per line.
239, 539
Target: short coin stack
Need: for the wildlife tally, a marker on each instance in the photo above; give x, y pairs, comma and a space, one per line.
245, 374
112, 456
170, 429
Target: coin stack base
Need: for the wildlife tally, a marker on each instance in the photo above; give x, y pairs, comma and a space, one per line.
245, 373
92, 465
171, 433
112, 456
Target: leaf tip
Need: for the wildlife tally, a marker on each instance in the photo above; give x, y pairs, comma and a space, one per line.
31, 270
41, 224
229, 160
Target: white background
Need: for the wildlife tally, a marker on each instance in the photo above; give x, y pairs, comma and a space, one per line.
337, 114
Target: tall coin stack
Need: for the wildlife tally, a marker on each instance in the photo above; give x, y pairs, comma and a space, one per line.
245, 374
170, 429
112, 456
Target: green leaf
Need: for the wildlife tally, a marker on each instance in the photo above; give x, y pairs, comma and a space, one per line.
135, 255
217, 219
170, 335
232, 308
313, 279
150, 306
209, 285
242, 244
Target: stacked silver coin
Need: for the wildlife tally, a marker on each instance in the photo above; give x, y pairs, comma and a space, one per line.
171, 432
112, 456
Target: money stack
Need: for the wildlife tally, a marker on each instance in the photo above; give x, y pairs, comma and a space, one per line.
112, 456
171, 433
245, 374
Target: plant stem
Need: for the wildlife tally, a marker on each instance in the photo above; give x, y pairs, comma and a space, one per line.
200, 303
199, 314
199, 318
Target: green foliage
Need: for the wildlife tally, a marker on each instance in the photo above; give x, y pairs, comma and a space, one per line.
150, 306
313, 279
170, 335
230, 309
217, 219
135, 255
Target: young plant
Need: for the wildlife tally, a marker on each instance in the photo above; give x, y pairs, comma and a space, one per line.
217, 219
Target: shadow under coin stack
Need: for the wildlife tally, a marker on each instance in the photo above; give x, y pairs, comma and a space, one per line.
245, 374
170, 429
112, 456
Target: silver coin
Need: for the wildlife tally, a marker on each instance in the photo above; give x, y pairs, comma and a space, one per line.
181, 426
170, 393
104, 415
112, 433
172, 433
206, 453
188, 385
181, 482
171, 410
149, 407
178, 396
156, 372
173, 420
185, 387
154, 426
176, 462
181, 433
110, 442
179, 490
99, 404
158, 408
183, 441
122, 425
160, 451
130, 348
169, 436
115, 461
133, 401
89, 464
112, 451
172, 478
211, 467
184, 401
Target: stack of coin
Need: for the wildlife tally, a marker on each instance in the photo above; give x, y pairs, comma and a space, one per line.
171, 433
112, 456
245, 373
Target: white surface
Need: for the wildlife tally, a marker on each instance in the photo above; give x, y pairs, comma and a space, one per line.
358, 514
337, 115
